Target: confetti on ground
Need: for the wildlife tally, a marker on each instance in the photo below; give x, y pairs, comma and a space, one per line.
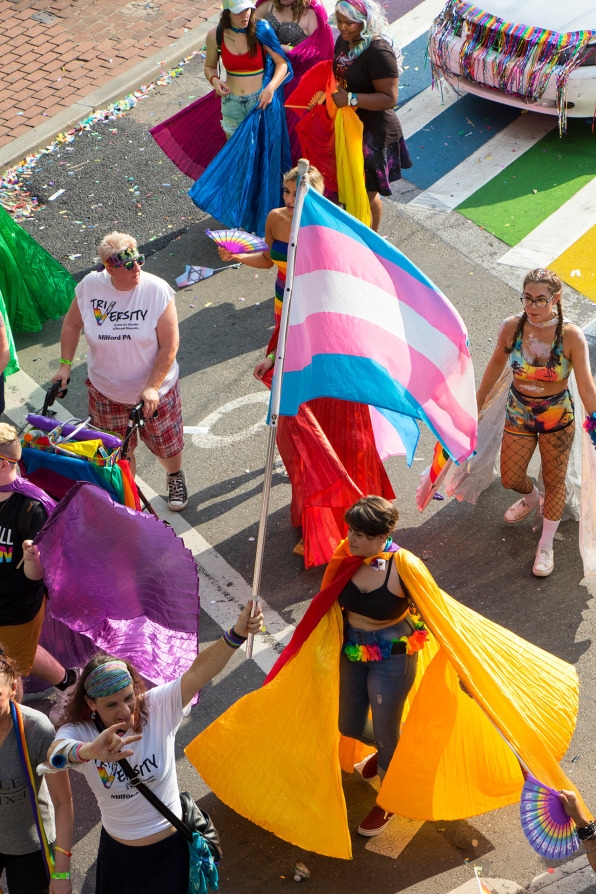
15, 199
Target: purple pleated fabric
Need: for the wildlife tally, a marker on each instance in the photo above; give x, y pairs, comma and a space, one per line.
193, 136
121, 581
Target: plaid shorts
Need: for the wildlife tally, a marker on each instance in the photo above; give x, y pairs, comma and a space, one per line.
162, 435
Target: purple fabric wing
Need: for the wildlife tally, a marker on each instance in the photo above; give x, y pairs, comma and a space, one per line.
121, 581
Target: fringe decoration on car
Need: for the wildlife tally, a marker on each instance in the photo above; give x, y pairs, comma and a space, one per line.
518, 60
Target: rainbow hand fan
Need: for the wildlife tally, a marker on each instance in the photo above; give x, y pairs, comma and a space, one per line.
544, 822
239, 242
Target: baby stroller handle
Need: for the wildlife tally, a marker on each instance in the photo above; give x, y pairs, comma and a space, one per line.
52, 393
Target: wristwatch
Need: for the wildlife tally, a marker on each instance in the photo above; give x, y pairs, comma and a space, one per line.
352, 99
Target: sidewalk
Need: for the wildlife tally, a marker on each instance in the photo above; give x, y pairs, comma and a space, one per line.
61, 58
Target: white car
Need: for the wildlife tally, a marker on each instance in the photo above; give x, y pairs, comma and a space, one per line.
538, 55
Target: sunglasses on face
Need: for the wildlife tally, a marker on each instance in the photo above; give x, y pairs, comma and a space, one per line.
537, 302
128, 265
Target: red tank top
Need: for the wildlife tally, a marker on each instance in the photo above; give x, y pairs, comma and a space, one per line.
244, 65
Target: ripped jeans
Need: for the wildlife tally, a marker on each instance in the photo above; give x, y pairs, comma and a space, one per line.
382, 686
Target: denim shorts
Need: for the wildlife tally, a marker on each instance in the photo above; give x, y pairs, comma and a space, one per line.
234, 110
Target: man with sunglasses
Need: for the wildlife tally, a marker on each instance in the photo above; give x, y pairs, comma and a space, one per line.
131, 326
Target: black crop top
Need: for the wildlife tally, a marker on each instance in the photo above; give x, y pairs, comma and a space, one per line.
378, 605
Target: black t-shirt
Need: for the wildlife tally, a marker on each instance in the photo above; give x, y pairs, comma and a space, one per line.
375, 63
20, 598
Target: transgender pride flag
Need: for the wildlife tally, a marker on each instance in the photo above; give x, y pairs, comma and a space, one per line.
366, 325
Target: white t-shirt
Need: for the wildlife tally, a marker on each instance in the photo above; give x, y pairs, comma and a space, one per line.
121, 337
125, 813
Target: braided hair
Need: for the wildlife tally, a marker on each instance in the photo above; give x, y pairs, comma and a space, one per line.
554, 285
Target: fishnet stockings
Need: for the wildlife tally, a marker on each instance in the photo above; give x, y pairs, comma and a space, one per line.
516, 453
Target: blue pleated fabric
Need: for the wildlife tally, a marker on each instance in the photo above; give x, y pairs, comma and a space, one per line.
243, 182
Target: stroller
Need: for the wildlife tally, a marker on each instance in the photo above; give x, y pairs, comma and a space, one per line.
55, 454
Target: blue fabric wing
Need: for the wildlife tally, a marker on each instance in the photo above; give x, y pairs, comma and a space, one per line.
243, 182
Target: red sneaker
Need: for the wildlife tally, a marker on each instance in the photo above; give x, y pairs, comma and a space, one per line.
369, 769
375, 823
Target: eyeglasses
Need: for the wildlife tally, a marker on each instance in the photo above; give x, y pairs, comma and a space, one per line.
537, 302
128, 265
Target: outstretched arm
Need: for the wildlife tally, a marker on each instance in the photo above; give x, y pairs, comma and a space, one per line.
212, 660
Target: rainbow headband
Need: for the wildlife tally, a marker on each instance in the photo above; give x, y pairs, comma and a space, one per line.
107, 679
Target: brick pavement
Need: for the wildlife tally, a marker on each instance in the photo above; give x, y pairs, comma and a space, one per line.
55, 52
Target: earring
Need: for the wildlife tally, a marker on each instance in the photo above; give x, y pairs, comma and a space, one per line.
93, 715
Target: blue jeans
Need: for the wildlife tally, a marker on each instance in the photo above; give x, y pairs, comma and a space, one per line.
382, 686
234, 110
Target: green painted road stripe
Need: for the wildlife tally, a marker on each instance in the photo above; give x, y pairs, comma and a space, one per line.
528, 191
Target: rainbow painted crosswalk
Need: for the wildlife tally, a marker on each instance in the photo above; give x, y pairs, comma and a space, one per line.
505, 169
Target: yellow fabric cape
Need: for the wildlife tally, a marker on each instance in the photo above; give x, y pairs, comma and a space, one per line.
452, 760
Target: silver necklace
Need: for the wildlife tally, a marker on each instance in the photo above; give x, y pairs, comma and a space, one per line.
545, 324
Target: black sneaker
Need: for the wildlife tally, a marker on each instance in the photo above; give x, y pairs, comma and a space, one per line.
177, 493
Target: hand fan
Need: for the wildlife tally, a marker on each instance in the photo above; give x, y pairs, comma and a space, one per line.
544, 822
237, 241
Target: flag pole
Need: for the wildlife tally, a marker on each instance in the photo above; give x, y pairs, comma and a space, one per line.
274, 402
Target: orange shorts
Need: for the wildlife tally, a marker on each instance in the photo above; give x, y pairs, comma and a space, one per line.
19, 641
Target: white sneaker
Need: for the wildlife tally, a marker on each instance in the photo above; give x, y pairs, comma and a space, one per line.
60, 700
544, 562
517, 512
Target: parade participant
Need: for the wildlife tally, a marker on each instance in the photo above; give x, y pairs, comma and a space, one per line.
24, 509
328, 449
293, 719
302, 28
542, 349
277, 237
20, 847
366, 69
139, 850
292, 21
378, 661
586, 828
131, 327
243, 57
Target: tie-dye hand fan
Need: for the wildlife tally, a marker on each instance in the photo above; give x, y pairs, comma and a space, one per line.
544, 822
239, 242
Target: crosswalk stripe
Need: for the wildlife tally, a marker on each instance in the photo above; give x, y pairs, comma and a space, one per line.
415, 22
559, 231
576, 265
424, 108
485, 163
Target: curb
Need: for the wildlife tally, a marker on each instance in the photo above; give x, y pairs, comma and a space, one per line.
41, 136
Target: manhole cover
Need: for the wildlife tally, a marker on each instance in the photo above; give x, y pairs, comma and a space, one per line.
46, 18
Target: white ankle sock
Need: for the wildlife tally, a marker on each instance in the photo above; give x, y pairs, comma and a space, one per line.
549, 529
532, 498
